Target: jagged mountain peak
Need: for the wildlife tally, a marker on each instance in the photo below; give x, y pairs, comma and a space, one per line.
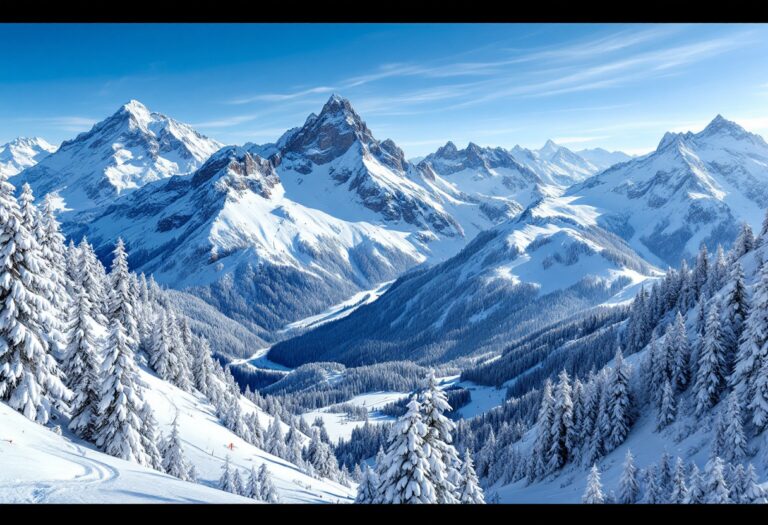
235, 169
21, 153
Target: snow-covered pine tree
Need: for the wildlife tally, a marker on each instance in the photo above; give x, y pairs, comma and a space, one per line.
744, 243
619, 402
368, 487
562, 424
629, 486
696, 487
54, 254
92, 276
594, 491
268, 492
30, 379
710, 378
406, 476
182, 373
716, 489
679, 489
736, 480
444, 459
677, 340
293, 446
252, 489
227, 479
162, 358
150, 437
653, 492
666, 473
174, 461
469, 486
274, 440
579, 414
735, 311
754, 346
73, 266
118, 424
667, 409
203, 367
544, 425
735, 443
120, 301
759, 401
701, 271
237, 482
753, 492
82, 367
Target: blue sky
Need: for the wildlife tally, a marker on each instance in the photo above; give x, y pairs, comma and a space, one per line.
614, 86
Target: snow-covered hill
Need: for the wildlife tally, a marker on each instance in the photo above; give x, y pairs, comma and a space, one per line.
40, 466
696, 187
551, 262
21, 153
119, 154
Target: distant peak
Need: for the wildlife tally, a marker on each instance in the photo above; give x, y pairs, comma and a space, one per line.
550, 145
449, 150
134, 105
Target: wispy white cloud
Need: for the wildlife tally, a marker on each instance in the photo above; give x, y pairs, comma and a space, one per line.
66, 123
280, 97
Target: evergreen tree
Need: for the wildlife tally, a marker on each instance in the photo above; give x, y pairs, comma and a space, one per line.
562, 425
710, 378
594, 491
619, 403
92, 277
252, 488
668, 408
150, 437
469, 487
654, 493
735, 449
227, 479
321, 457
174, 461
744, 242
679, 488
237, 482
268, 492
203, 367
444, 459
754, 347
544, 425
82, 367
54, 254
406, 475
677, 339
120, 301
367, 489
735, 312
753, 493
162, 359
695, 487
759, 401
701, 271
717, 489
629, 486
118, 423
30, 379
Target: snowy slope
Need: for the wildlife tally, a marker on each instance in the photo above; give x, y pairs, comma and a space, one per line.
119, 154
552, 261
21, 153
696, 187
39, 466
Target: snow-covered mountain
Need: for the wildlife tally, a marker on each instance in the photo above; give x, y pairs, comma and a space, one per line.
332, 212
696, 187
602, 158
118, 155
551, 262
21, 153
230, 234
